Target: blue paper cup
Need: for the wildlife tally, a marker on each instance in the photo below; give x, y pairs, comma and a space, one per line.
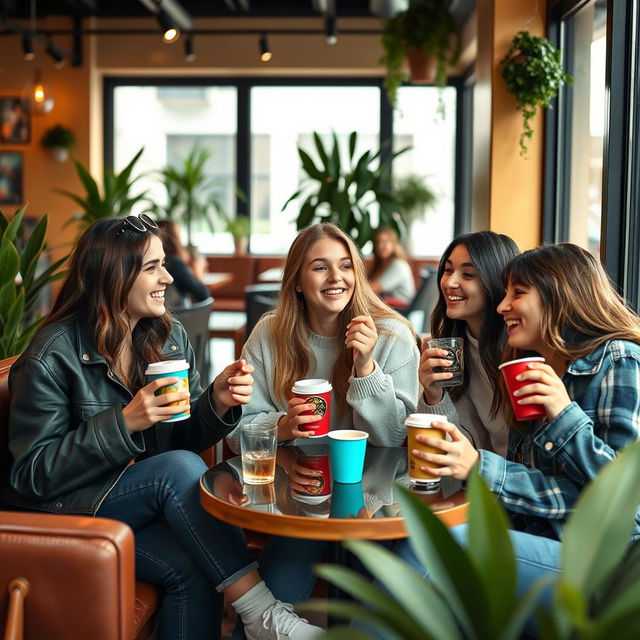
171, 369
347, 448
346, 500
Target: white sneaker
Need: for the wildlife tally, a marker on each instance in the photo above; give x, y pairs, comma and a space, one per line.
279, 622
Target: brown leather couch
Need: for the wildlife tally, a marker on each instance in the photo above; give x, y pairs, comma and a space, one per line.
79, 570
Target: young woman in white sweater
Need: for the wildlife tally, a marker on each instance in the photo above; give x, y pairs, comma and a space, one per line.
470, 290
329, 324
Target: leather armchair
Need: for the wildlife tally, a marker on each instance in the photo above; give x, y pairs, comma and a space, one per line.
77, 573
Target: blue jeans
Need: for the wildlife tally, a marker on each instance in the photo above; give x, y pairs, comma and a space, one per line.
536, 557
179, 547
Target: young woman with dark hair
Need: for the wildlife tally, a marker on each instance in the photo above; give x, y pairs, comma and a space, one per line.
470, 288
81, 411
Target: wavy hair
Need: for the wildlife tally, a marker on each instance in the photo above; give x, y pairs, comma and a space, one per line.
289, 331
104, 266
490, 252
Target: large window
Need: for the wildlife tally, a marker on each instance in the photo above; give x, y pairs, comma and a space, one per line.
254, 130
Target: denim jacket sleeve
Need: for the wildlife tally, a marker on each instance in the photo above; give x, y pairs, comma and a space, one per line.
570, 450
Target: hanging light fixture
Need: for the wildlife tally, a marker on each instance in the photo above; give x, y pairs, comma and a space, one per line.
170, 30
189, 53
265, 51
36, 95
330, 29
27, 47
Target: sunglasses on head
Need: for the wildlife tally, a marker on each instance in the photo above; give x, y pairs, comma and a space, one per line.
141, 223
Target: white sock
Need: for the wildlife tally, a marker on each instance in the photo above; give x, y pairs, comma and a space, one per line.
251, 605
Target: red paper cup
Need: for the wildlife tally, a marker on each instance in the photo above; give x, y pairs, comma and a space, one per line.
317, 392
512, 369
318, 463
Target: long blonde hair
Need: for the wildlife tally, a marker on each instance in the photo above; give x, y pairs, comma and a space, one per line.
581, 310
289, 329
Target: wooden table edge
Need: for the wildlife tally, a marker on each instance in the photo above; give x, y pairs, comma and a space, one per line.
307, 527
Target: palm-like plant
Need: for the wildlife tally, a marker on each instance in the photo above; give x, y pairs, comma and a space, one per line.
20, 282
190, 196
344, 193
472, 591
116, 198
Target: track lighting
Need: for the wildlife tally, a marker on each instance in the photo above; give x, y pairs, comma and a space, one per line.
330, 29
27, 47
58, 58
170, 31
189, 54
265, 51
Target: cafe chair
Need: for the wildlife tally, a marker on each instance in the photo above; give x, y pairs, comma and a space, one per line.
67, 577
420, 308
259, 298
195, 320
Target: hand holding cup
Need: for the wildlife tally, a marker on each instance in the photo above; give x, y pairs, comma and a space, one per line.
289, 424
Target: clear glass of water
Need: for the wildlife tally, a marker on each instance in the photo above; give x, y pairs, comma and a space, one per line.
258, 444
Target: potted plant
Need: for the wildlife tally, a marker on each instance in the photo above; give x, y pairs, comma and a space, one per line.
414, 197
189, 192
21, 281
532, 71
343, 193
426, 36
239, 228
59, 140
116, 198
472, 593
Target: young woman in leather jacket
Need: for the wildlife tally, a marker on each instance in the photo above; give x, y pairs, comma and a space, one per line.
81, 411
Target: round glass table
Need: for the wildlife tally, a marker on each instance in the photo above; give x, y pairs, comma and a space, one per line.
366, 510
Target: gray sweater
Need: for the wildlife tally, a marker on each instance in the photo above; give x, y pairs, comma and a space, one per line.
378, 403
472, 411
397, 280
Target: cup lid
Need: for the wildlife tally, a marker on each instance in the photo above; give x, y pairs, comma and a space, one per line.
531, 359
311, 385
166, 366
424, 419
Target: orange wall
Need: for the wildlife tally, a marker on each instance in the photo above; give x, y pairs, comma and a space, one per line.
508, 187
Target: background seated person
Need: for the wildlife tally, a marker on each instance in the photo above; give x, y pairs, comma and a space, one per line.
187, 271
390, 274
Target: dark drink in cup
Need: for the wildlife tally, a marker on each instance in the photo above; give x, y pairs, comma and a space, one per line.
455, 353
317, 392
510, 370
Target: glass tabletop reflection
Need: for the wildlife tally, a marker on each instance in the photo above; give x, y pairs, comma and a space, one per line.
376, 497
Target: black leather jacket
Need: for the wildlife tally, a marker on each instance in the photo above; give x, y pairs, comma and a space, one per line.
66, 429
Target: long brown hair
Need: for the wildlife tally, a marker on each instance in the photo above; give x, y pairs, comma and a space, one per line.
581, 309
104, 266
490, 252
290, 325
378, 265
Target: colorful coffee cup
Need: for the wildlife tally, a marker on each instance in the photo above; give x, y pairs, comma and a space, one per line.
172, 369
321, 464
347, 448
346, 500
510, 370
315, 391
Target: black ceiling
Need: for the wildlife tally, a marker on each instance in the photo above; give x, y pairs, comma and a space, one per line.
14, 9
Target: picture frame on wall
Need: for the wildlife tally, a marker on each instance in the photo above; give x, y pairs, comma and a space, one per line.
15, 121
11, 172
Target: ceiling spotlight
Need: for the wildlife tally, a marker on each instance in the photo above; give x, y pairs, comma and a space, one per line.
265, 51
330, 29
58, 58
189, 54
27, 47
170, 31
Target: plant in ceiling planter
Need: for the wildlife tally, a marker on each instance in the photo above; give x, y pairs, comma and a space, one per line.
345, 192
426, 36
532, 70
59, 140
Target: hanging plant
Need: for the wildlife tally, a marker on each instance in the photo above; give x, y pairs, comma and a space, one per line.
533, 73
424, 29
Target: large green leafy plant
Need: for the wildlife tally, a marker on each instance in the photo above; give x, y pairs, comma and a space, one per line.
190, 192
425, 26
532, 71
116, 198
472, 591
20, 282
345, 192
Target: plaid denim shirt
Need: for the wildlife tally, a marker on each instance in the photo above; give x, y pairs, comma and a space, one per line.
547, 466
